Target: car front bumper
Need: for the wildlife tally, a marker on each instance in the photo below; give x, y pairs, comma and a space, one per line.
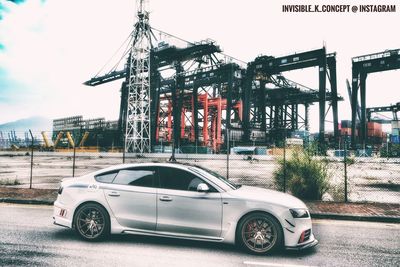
310, 244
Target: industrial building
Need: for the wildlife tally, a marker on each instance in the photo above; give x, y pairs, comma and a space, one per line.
74, 131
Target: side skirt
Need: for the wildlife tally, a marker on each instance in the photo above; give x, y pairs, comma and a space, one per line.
170, 235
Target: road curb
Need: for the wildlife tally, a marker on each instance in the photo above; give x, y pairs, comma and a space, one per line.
26, 201
349, 217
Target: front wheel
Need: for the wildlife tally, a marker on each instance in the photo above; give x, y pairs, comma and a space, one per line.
92, 222
259, 233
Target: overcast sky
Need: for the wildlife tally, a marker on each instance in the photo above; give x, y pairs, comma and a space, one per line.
48, 48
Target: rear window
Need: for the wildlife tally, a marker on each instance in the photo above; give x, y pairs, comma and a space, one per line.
106, 177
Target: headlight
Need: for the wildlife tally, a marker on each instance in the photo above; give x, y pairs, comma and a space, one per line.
299, 213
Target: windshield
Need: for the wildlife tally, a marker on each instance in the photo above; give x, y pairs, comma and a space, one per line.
211, 174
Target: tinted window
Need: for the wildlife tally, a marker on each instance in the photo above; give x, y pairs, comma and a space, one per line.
136, 177
211, 174
177, 179
106, 177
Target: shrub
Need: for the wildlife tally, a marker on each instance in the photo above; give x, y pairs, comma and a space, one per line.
306, 177
9, 181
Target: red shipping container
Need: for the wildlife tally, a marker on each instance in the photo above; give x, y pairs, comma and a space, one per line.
374, 132
345, 131
374, 126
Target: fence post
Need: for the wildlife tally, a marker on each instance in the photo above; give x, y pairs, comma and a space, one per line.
73, 162
30, 180
284, 163
123, 148
227, 153
172, 158
345, 168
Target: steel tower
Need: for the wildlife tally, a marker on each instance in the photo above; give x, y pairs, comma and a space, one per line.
137, 133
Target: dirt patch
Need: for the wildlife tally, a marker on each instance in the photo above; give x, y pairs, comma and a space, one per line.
387, 186
28, 194
371, 209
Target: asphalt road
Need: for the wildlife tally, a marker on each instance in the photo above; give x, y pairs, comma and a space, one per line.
28, 238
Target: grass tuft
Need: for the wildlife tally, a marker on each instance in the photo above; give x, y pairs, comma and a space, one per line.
9, 181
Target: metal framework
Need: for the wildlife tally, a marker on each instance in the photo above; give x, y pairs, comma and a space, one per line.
394, 109
195, 104
361, 67
195, 95
137, 128
283, 103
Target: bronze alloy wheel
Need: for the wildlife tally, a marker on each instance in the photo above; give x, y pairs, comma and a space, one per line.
91, 222
260, 233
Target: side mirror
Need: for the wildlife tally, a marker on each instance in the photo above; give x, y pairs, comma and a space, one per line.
203, 188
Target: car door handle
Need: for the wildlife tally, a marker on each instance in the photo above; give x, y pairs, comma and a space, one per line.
113, 194
165, 198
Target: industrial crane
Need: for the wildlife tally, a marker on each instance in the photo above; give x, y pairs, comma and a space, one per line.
361, 67
394, 109
198, 96
135, 112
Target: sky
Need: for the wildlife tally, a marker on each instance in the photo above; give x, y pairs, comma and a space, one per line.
48, 48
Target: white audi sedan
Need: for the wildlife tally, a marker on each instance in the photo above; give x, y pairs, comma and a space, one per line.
181, 201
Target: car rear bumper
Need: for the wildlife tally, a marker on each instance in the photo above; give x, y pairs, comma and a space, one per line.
62, 215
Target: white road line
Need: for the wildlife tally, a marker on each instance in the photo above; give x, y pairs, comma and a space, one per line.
270, 264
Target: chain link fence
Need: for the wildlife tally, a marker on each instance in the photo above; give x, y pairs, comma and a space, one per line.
349, 178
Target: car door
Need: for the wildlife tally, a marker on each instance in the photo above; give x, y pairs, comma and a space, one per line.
132, 198
183, 210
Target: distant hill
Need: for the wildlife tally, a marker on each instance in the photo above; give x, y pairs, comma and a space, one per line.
36, 124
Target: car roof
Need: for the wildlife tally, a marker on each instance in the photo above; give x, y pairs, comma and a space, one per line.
143, 164
179, 165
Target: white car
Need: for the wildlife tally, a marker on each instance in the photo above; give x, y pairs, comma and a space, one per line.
183, 201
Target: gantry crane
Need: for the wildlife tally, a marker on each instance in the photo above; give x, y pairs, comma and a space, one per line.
361, 67
394, 109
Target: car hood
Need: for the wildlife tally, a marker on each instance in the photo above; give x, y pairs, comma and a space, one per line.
268, 196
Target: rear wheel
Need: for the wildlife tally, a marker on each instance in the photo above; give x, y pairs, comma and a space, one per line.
259, 233
92, 222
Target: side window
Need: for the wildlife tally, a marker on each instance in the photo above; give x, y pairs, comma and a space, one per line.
136, 177
177, 179
106, 177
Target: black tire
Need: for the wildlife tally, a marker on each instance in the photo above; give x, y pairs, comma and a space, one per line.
259, 233
92, 222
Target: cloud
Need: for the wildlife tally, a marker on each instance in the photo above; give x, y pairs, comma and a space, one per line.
48, 49
6, 6
17, 1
